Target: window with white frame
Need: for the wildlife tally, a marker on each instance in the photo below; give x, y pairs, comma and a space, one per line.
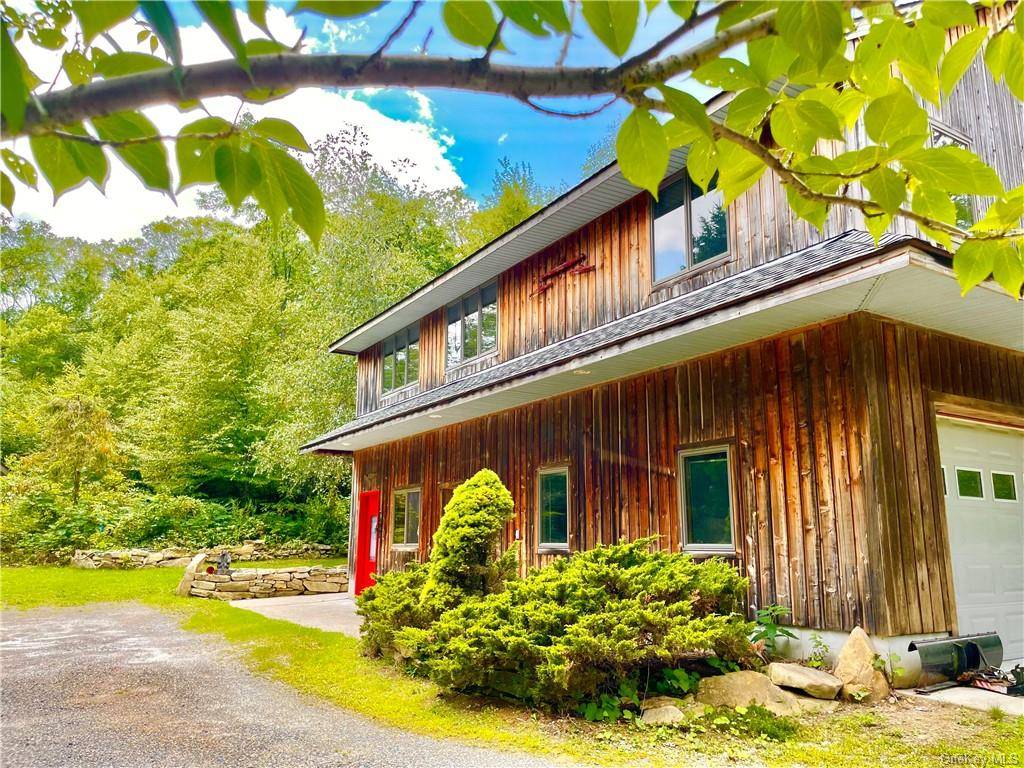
706, 499
405, 518
553, 508
944, 136
401, 359
690, 227
473, 325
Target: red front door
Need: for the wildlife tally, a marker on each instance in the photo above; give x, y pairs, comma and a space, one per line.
366, 546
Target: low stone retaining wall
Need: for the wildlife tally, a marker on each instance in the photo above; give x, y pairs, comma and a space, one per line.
248, 583
175, 557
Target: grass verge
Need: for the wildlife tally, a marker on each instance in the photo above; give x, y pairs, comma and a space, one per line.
329, 666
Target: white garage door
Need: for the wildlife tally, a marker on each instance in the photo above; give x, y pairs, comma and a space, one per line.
982, 471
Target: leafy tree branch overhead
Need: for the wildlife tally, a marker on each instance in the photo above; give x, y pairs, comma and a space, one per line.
831, 96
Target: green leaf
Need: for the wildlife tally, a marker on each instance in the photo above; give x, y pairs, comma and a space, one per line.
195, 155
237, 172
682, 8
470, 21
934, 203
282, 131
285, 178
895, 116
221, 16
6, 192
881, 46
953, 169
258, 13
1014, 72
999, 50
128, 63
949, 13
532, 15
13, 91
66, 163
97, 17
22, 169
919, 57
814, 26
973, 262
340, 9
691, 114
798, 125
738, 170
149, 160
959, 57
613, 21
77, 67
727, 74
642, 150
770, 58
1004, 214
160, 18
877, 225
809, 210
1008, 266
747, 111
702, 162
887, 188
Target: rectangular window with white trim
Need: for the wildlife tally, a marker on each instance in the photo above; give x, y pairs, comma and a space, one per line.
401, 359
553, 508
707, 499
405, 519
473, 325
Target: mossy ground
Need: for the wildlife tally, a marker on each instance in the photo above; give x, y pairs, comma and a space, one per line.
329, 666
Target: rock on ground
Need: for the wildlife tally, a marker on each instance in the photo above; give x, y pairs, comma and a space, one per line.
746, 687
665, 710
856, 668
813, 682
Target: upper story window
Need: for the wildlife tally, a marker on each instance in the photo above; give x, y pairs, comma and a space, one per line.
944, 136
473, 325
690, 227
401, 360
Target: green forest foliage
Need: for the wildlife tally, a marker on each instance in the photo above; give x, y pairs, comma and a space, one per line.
173, 377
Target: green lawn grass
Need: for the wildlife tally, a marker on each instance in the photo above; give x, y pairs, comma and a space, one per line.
329, 666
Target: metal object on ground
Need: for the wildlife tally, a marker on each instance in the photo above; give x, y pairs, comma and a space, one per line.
224, 563
945, 659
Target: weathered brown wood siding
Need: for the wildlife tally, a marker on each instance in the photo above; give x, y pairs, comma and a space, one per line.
907, 371
839, 516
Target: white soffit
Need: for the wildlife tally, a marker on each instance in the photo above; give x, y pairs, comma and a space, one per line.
905, 286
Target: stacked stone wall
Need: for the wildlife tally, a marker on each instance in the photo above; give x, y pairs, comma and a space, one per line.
249, 583
177, 557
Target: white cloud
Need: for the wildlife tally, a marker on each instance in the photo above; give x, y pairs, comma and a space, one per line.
414, 151
502, 138
334, 36
424, 105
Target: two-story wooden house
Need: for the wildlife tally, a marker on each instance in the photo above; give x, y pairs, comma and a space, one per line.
827, 412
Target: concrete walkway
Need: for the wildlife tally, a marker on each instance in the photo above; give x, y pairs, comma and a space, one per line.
973, 698
121, 685
331, 612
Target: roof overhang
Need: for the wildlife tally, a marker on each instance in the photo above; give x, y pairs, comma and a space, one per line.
908, 283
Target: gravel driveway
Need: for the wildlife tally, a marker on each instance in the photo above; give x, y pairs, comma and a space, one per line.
122, 685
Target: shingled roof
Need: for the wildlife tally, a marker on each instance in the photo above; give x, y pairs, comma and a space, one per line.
810, 262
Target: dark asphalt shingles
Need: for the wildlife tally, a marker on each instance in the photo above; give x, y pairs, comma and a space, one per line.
122, 685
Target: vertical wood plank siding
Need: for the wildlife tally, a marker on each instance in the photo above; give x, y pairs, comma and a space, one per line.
839, 514
618, 244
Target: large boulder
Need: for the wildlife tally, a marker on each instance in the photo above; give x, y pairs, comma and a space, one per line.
741, 689
855, 667
813, 682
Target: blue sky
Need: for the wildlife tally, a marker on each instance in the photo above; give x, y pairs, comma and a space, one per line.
486, 128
